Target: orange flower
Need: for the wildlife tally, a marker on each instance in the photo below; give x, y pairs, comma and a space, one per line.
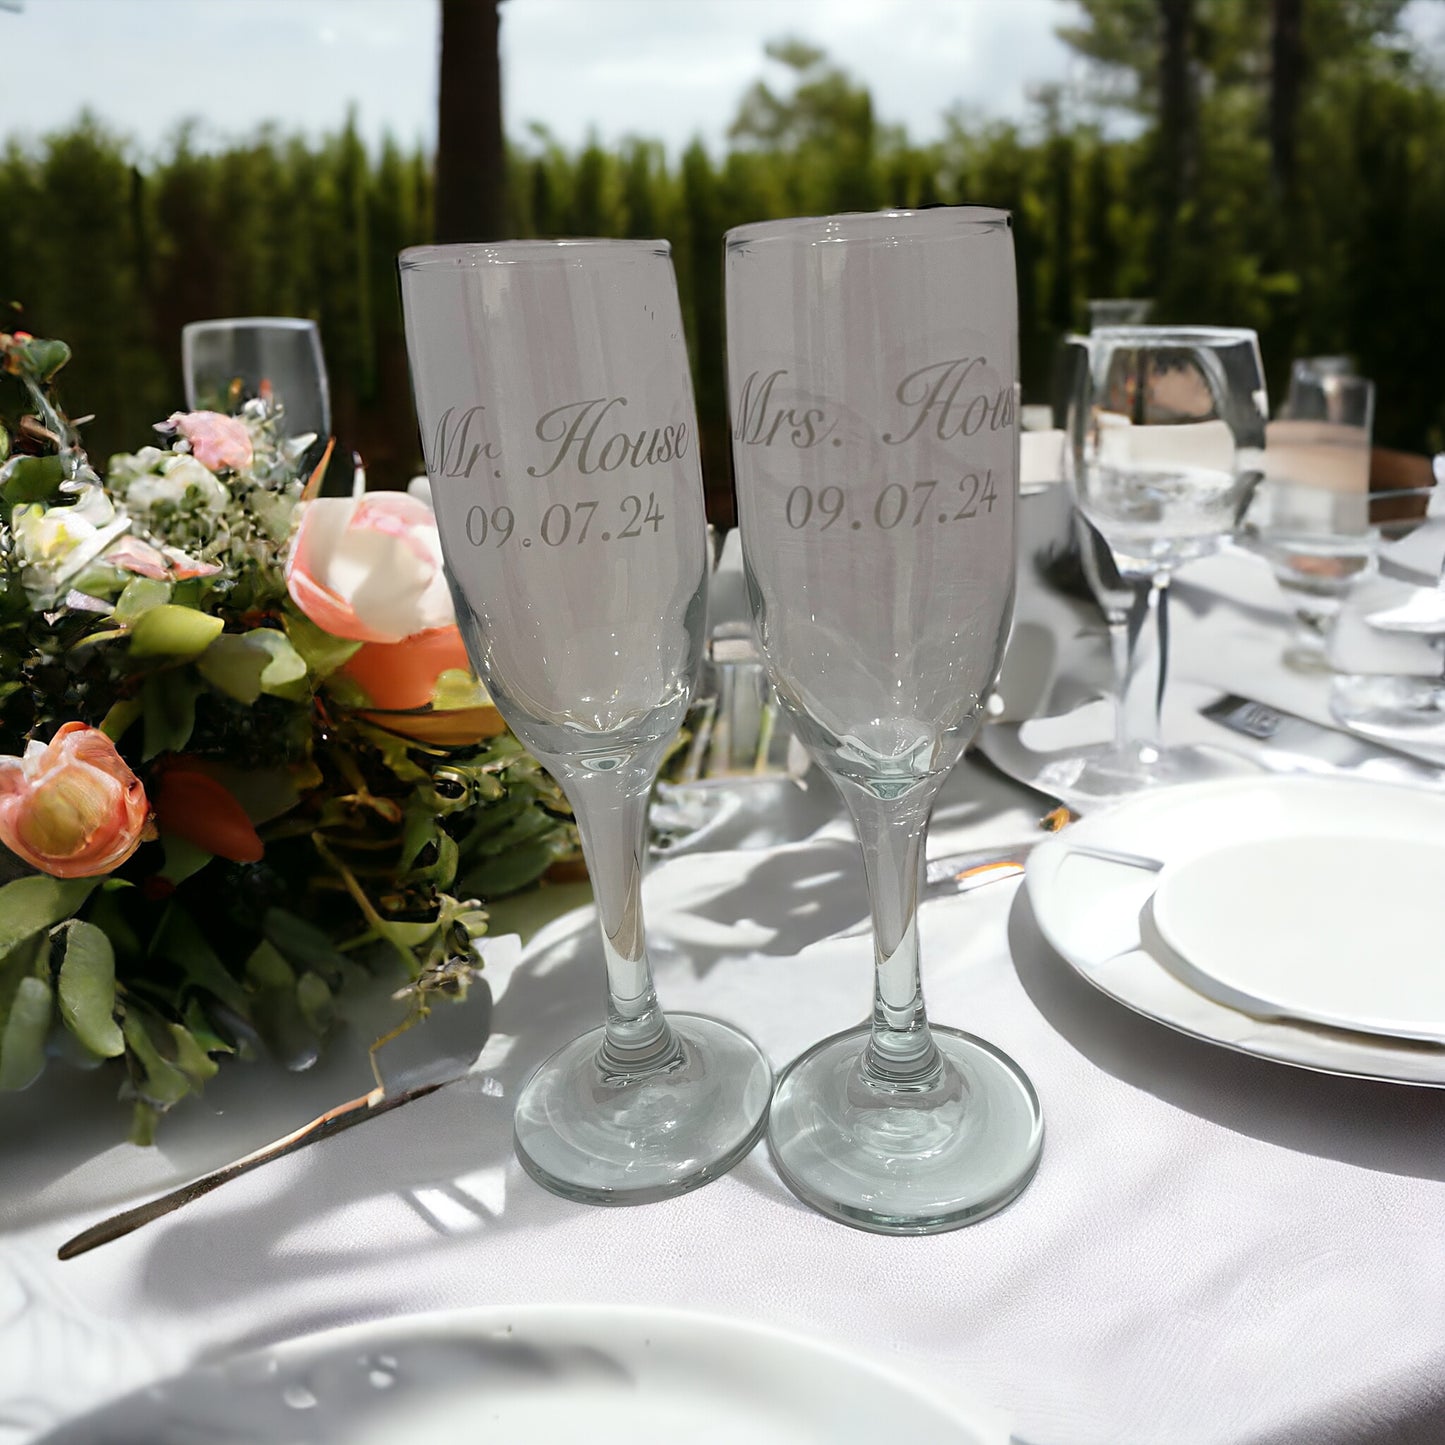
71, 807
404, 674
192, 805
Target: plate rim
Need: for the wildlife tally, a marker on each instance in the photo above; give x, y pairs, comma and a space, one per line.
968, 1417
1049, 854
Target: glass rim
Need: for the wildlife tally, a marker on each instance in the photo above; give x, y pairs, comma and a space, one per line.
871, 225
279, 323
1177, 335
504, 253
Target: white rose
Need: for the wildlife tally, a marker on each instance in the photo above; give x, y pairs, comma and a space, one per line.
178, 477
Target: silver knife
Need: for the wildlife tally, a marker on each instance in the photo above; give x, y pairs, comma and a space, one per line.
1296, 744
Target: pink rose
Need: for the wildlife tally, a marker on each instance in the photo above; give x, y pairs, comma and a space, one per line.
369, 568
71, 807
216, 441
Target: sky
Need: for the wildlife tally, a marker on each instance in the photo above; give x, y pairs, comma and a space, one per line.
665, 69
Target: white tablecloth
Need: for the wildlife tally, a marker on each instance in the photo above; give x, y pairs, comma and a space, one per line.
1215, 1249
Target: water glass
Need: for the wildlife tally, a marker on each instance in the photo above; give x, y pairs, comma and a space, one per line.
1166, 429
552, 387
872, 369
228, 362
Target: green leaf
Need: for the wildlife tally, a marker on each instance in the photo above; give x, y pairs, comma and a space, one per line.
4, 443
318, 1008
168, 705
246, 665
508, 872
22, 1043
204, 1031
191, 1058
173, 631
139, 596
322, 652
32, 479
41, 357
179, 941
87, 990
154, 1077
303, 945
30, 905
266, 968
183, 859
121, 715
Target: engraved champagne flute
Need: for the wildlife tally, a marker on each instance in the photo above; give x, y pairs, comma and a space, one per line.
552, 387
872, 366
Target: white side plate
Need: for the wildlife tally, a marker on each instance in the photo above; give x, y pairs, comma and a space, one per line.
1347, 931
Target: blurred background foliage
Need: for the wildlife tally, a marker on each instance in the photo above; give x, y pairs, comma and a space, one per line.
1279, 166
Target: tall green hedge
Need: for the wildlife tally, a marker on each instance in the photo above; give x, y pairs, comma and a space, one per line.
115, 252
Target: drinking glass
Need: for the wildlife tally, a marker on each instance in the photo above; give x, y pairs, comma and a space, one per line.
872, 367
1306, 375
1167, 433
276, 358
552, 388
1119, 311
1311, 515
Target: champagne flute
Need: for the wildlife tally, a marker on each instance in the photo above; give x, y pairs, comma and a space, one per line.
872, 364
552, 387
1166, 427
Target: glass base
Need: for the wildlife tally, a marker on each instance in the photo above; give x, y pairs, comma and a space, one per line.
610, 1140
1393, 709
901, 1163
1103, 774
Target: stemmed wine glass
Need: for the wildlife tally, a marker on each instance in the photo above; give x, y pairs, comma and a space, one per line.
231, 361
552, 387
872, 365
1166, 429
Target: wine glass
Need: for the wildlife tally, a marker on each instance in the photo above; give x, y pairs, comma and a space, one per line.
231, 361
551, 383
872, 366
1311, 515
1166, 428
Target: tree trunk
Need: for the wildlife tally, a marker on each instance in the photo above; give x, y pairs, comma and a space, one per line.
1286, 77
471, 151
1177, 119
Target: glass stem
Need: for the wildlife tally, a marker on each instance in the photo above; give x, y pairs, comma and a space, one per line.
901, 1056
611, 810
1142, 693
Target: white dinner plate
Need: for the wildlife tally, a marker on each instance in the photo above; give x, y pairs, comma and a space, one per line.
1098, 914
1330, 928
537, 1375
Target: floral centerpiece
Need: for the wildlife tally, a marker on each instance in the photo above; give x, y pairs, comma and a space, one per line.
241, 756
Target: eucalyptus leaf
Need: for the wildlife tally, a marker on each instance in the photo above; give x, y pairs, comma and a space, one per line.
22, 1042
37, 902
267, 968
179, 941
247, 664
508, 872
139, 596
173, 631
153, 1077
318, 1007
42, 357
32, 479
122, 714
303, 945
204, 1031
191, 1058
87, 990
322, 652
168, 705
